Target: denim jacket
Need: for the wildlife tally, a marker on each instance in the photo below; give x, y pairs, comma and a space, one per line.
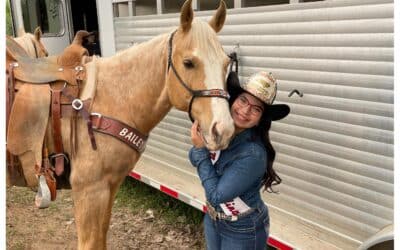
237, 173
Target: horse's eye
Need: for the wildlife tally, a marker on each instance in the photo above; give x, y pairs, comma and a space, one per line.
188, 64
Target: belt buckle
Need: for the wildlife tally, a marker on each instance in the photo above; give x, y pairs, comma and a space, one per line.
234, 218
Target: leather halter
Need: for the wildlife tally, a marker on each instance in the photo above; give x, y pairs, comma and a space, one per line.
195, 93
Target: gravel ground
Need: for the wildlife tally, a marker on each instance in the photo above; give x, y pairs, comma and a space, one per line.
54, 228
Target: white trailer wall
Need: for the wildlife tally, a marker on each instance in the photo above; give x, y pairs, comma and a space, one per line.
335, 149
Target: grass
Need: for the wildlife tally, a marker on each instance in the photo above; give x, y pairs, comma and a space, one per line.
25, 197
139, 197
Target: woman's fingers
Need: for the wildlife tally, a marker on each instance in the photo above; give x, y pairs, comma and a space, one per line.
194, 129
195, 133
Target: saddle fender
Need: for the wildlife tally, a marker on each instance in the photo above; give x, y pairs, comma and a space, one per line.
27, 126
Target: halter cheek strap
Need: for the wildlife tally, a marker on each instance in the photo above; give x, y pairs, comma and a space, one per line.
220, 93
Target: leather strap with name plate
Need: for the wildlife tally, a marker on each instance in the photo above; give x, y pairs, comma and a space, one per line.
107, 125
130, 136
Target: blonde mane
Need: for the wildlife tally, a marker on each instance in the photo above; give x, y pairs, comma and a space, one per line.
202, 34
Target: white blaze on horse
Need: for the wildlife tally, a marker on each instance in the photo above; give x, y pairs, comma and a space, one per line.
184, 69
31, 43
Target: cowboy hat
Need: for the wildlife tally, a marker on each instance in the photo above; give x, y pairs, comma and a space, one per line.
263, 86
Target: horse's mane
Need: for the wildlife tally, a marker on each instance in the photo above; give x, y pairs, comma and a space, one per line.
201, 33
137, 47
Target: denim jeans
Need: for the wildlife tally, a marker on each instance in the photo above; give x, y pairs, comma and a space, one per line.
247, 233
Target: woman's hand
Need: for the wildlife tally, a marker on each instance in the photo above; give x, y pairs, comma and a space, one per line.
195, 133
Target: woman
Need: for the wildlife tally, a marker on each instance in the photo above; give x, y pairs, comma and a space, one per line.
237, 218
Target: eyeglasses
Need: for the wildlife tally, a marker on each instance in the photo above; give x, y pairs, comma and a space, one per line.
243, 102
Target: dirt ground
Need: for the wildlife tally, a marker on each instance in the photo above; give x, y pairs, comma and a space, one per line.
54, 228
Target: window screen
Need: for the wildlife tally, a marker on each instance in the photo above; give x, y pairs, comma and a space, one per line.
43, 13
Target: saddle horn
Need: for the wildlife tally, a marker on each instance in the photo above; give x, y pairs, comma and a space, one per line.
79, 36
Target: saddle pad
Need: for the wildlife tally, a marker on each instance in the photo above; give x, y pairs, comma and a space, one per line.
28, 120
88, 90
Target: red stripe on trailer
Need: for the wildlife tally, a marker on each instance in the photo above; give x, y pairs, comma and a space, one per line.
271, 241
169, 191
277, 244
135, 175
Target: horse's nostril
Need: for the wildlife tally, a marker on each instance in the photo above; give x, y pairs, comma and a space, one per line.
216, 136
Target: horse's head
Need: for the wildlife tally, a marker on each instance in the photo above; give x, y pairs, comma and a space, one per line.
197, 61
41, 50
32, 43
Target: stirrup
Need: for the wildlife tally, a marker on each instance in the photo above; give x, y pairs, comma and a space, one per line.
43, 197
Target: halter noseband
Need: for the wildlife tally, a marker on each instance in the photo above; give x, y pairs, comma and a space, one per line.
195, 93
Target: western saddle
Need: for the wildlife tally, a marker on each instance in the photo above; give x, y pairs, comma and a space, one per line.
34, 85
42, 91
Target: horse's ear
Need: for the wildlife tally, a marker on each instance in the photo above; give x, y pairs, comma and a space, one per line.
218, 20
186, 15
20, 31
38, 33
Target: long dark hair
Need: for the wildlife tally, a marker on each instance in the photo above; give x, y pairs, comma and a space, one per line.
271, 178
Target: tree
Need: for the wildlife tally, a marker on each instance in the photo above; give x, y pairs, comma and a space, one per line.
9, 30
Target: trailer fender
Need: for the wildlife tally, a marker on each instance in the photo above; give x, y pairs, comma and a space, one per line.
382, 240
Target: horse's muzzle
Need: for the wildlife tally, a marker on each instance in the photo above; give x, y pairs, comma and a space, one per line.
219, 136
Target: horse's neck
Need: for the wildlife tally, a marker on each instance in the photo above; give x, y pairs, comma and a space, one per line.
131, 85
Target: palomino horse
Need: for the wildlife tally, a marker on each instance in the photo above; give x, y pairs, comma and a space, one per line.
184, 69
137, 86
32, 43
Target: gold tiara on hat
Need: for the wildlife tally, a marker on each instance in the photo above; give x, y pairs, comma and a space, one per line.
262, 85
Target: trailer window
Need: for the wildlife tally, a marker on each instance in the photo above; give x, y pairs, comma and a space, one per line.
43, 13
124, 8
254, 3
173, 6
213, 5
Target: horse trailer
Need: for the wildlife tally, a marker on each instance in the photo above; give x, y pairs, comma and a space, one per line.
334, 151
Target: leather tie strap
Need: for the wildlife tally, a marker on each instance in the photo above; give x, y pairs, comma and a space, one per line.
56, 129
119, 130
78, 105
89, 124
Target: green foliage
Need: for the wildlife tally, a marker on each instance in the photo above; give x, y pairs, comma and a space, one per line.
139, 197
9, 30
